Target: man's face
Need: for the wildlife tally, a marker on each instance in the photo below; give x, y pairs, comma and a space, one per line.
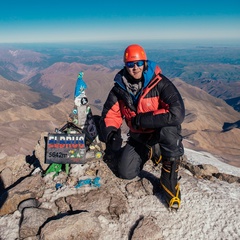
135, 69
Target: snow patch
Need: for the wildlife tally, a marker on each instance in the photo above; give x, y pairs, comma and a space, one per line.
196, 158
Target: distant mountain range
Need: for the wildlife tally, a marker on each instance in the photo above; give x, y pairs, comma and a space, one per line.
213, 69
39, 98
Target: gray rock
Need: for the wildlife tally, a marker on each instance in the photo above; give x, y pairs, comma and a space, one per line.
32, 202
32, 220
147, 229
84, 226
13, 168
30, 187
140, 188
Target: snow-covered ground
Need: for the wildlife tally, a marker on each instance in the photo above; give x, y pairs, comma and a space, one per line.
207, 158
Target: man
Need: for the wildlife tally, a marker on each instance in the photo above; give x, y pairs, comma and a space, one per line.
153, 110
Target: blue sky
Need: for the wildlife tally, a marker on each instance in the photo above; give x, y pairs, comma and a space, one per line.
97, 20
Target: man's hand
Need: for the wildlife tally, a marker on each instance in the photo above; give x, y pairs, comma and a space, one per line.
114, 141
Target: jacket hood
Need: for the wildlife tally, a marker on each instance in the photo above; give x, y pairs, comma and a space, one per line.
152, 70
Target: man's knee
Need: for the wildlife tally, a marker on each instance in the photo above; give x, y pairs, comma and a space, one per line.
127, 175
170, 133
129, 163
127, 172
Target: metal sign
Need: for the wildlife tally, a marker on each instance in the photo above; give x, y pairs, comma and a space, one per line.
66, 148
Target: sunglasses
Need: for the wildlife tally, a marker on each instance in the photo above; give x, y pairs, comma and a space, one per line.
131, 64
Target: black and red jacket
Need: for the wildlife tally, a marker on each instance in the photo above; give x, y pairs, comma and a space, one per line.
157, 105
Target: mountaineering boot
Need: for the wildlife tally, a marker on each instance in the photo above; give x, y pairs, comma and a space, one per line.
169, 181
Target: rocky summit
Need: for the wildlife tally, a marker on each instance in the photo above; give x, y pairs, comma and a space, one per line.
89, 201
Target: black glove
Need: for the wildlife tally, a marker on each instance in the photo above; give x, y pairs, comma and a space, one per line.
136, 122
114, 141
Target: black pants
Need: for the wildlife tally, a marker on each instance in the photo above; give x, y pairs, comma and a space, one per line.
135, 153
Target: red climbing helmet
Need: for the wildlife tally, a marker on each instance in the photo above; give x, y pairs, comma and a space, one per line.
133, 53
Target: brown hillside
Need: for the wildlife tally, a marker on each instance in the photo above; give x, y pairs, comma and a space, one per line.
20, 127
202, 128
61, 79
13, 94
